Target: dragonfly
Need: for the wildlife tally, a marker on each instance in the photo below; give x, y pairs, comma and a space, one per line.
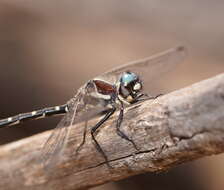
103, 95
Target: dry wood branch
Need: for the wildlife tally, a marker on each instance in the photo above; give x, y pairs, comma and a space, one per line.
181, 126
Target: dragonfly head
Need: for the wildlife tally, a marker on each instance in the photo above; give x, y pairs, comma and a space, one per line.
130, 87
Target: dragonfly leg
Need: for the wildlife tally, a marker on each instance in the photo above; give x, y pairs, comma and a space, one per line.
83, 139
93, 130
144, 97
89, 83
118, 126
154, 97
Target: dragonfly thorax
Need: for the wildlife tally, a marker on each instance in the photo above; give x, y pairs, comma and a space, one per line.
129, 87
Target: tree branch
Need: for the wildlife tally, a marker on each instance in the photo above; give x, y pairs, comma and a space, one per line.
184, 125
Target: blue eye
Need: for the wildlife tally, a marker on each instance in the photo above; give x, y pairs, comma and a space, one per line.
128, 77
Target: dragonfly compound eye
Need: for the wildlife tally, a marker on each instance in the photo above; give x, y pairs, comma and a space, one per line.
127, 78
130, 85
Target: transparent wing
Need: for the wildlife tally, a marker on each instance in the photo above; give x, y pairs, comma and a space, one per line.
149, 68
81, 108
55, 144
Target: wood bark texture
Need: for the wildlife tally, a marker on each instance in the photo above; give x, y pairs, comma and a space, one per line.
175, 128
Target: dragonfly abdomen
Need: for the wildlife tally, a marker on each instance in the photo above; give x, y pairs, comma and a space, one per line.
46, 112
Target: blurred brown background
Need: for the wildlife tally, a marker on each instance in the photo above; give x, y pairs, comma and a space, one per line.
49, 48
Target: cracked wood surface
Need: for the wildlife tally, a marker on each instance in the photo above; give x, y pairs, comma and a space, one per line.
178, 127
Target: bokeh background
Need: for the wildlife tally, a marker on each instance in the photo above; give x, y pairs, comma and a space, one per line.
49, 48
